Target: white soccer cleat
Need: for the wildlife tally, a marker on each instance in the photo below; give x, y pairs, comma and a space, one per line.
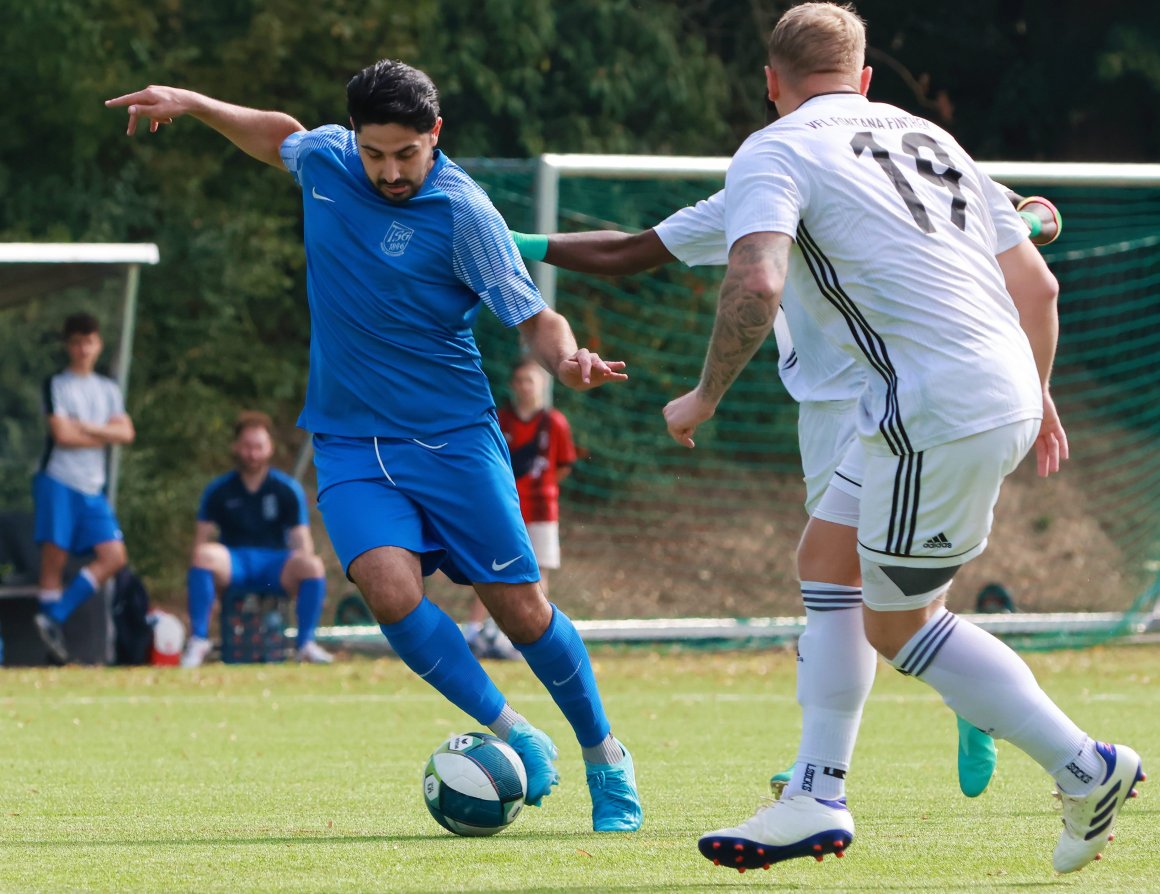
800, 826
312, 653
196, 651
1088, 820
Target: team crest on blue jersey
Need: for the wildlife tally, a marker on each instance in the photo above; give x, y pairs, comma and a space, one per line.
396, 240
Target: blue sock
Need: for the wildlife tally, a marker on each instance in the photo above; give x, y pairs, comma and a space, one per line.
308, 604
560, 661
76, 594
199, 584
430, 644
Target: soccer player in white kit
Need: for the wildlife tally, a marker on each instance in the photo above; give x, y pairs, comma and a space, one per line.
836, 664
889, 228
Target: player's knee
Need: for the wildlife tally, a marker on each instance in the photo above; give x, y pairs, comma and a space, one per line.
896, 597
211, 557
112, 557
310, 565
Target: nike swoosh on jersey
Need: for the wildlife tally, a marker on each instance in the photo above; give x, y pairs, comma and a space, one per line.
496, 566
316, 194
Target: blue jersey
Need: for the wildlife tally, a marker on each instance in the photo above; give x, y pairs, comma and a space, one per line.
261, 518
394, 289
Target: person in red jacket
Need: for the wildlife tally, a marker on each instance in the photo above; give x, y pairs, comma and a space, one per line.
542, 454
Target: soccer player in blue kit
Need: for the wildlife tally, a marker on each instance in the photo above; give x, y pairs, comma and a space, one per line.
413, 473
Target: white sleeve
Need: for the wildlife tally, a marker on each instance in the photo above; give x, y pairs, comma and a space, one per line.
761, 195
696, 235
1010, 228
58, 396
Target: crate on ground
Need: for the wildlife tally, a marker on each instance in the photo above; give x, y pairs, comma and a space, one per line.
254, 628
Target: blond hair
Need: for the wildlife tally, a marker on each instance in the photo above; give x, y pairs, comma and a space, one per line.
818, 38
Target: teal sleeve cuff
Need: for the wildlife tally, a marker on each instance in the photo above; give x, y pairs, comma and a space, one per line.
533, 246
1033, 222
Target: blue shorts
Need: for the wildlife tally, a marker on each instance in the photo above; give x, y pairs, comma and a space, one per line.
254, 569
74, 521
451, 499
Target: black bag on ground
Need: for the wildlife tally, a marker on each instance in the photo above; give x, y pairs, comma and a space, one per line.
133, 635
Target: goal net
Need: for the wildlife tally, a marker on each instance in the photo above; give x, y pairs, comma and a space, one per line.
650, 530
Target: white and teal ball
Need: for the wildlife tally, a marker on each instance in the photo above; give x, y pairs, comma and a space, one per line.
474, 784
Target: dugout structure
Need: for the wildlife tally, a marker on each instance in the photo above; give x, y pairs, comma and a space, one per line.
698, 546
40, 284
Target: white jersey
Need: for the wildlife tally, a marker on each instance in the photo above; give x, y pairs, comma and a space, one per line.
810, 367
92, 398
895, 242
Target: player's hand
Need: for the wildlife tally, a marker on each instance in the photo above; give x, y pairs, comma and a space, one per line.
585, 370
684, 414
1051, 445
1038, 210
159, 104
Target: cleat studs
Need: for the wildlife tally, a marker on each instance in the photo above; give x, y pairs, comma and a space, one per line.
817, 847
839, 854
739, 847
818, 858
716, 845
839, 843
740, 860
1099, 856
741, 870
716, 862
761, 852
1133, 794
766, 866
1111, 838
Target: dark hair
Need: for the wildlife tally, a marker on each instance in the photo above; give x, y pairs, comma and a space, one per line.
79, 324
253, 419
392, 92
524, 361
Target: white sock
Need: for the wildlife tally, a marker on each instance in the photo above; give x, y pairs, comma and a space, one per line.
987, 684
835, 672
50, 595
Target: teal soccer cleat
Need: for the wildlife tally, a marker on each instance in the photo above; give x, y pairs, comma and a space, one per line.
778, 782
977, 758
615, 803
538, 753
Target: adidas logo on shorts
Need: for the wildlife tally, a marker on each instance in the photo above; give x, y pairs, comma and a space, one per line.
938, 541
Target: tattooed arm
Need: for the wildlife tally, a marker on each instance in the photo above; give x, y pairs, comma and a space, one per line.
750, 296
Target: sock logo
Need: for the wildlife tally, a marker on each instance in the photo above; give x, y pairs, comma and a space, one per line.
808, 778
835, 772
1079, 774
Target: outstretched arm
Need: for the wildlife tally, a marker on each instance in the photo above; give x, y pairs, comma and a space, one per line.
257, 133
750, 297
597, 251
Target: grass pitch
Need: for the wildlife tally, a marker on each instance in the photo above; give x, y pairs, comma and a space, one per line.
285, 778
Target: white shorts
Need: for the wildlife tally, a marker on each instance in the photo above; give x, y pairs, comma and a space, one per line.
825, 431
545, 538
841, 502
934, 509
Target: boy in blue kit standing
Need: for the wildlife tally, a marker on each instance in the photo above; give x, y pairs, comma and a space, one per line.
86, 416
413, 473
263, 542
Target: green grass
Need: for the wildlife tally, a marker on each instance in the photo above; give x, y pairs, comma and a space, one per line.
308, 779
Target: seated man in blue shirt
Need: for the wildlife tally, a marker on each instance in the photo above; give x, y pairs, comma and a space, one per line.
402, 250
263, 542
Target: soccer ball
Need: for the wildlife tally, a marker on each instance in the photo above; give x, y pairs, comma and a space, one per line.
474, 784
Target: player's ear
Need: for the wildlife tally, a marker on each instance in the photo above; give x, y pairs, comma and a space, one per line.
772, 86
864, 80
435, 131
